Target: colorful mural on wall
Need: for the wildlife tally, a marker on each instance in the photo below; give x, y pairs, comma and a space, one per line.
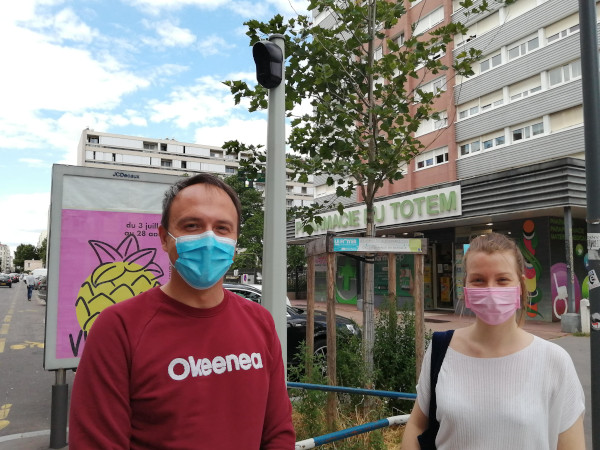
528, 243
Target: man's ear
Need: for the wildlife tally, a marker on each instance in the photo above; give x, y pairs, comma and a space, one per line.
162, 233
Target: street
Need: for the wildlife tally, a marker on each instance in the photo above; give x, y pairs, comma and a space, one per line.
26, 387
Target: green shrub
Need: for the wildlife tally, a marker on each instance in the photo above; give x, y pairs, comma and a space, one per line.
394, 354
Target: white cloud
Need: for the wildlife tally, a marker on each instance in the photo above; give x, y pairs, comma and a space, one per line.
247, 131
244, 8
72, 79
170, 35
33, 162
207, 101
213, 45
68, 26
29, 217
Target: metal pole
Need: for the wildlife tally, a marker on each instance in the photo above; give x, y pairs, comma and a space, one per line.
591, 115
274, 249
59, 411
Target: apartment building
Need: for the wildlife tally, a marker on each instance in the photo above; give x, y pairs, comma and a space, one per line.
169, 156
507, 156
5, 259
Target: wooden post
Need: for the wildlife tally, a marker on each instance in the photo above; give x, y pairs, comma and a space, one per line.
392, 289
310, 313
419, 313
331, 340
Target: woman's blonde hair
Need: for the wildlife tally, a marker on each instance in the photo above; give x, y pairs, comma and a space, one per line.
495, 242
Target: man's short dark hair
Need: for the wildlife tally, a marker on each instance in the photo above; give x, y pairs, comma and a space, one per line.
202, 178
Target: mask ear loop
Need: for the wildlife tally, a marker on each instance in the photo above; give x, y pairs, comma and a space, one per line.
169, 257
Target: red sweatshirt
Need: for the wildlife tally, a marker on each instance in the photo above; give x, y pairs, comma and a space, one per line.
157, 374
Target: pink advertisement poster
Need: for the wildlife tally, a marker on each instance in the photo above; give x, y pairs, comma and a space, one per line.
105, 258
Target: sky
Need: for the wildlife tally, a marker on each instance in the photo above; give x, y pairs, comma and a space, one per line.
151, 68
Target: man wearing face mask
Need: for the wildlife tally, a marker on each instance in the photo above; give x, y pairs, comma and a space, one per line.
187, 365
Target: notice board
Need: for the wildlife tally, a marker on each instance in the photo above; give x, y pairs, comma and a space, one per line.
103, 248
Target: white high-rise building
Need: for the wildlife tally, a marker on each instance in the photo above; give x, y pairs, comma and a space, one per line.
5, 259
169, 156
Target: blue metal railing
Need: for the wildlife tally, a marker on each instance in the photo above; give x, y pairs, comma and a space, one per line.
359, 429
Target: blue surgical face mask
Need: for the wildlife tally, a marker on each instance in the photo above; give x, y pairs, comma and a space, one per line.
203, 259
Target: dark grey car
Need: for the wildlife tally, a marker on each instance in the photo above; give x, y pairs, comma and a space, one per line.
296, 322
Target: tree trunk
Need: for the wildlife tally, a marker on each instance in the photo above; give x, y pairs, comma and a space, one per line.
368, 303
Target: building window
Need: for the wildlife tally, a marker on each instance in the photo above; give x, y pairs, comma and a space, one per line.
427, 126
150, 146
431, 158
528, 131
441, 122
289, 203
523, 48
114, 157
490, 62
400, 40
163, 147
563, 33
184, 164
304, 191
564, 74
230, 170
166, 163
429, 21
472, 147
216, 154
93, 139
378, 53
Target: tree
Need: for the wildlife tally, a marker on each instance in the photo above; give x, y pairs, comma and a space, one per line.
42, 251
24, 252
250, 238
365, 113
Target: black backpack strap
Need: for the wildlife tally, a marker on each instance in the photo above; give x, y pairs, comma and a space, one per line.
440, 342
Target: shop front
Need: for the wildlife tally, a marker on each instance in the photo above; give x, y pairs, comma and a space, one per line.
541, 207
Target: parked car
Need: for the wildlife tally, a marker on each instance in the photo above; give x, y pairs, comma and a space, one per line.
42, 288
296, 322
14, 277
250, 291
5, 280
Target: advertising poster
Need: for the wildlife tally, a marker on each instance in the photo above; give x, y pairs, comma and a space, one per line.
103, 248
109, 257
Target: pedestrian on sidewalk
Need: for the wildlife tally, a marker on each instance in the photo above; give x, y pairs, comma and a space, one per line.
30, 280
498, 387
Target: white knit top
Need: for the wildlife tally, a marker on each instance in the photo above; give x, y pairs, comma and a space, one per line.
520, 401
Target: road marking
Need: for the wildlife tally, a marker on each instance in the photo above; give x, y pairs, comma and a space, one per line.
2, 342
4, 410
4, 328
8, 318
27, 344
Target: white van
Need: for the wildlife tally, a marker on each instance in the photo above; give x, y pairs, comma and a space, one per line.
37, 273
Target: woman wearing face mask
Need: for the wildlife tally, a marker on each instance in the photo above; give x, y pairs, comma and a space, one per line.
499, 387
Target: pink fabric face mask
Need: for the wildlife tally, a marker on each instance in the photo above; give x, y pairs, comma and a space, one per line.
493, 305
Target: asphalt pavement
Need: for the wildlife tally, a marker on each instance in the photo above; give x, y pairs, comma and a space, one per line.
578, 348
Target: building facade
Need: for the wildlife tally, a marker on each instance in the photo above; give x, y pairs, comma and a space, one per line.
509, 158
5, 259
169, 156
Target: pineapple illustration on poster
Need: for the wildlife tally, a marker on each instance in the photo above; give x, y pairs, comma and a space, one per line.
110, 257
